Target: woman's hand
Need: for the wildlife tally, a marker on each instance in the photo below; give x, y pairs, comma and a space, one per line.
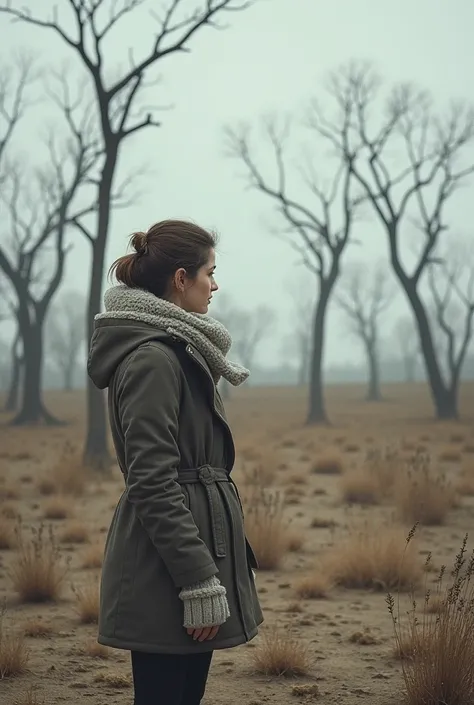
203, 634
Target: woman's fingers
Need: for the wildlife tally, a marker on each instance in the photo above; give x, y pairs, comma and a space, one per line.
202, 633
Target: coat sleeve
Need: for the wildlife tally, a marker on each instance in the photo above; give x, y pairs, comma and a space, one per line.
148, 405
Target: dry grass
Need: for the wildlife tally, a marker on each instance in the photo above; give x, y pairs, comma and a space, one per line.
437, 652
266, 527
87, 602
329, 464
75, 533
37, 571
295, 540
314, 586
68, 475
96, 650
29, 697
374, 557
7, 534
9, 491
58, 507
280, 654
113, 679
92, 556
423, 494
36, 628
450, 454
357, 486
13, 651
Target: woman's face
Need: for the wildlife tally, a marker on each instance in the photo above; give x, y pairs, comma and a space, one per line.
198, 292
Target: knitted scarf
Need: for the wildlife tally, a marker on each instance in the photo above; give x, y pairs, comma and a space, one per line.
207, 334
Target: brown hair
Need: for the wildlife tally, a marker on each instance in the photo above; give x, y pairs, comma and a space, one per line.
166, 247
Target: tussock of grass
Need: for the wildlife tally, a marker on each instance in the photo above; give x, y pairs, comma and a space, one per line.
96, 650
37, 571
13, 651
29, 697
450, 454
266, 527
373, 557
58, 507
328, 464
68, 475
36, 628
87, 602
280, 654
92, 556
75, 533
113, 680
314, 586
423, 494
437, 652
357, 486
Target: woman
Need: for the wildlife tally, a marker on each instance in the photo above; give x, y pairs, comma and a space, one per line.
177, 579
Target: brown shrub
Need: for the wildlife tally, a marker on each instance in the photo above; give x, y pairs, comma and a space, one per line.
328, 464
113, 679
75, 533
13, 651
314, 586
92, 556
58, 507
87, 602
375, 557
423, 494
450, 454
358, 486
37, 570
266, 527
280, 654
437, 652
295, 540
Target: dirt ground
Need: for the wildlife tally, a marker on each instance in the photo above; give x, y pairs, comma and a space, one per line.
63, 665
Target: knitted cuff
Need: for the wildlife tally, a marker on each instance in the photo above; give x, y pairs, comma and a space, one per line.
205, 604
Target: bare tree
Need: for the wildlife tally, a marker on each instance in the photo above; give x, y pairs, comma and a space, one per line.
38, 205
363, 299
249, 329
407, 339
451, 283
65, 334
117, 103
432, 163
320, 232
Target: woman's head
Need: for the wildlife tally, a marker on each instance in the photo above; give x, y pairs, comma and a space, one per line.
174, 260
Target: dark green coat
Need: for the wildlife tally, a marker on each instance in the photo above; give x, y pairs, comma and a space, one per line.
166, 416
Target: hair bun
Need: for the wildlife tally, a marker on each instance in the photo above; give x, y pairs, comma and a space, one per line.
139, 242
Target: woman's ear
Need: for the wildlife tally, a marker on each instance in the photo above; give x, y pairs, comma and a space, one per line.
180, 279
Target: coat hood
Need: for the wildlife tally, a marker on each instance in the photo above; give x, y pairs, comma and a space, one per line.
112, 341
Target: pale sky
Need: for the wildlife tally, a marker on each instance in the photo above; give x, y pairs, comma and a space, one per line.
272, 58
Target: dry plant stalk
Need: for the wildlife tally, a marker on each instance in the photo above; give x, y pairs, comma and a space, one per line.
37, 570
266, 527
69, 475
13, 651
422, 494
440, 667
372, 557
87, 602
280, 654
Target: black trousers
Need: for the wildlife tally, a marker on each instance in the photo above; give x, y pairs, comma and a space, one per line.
169, 679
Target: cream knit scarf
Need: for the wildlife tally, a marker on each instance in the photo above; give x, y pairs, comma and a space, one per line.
207, 334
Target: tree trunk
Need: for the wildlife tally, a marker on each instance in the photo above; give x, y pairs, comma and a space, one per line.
317, 409
32, 410
96, 454
373, 389
445, 400
13, 396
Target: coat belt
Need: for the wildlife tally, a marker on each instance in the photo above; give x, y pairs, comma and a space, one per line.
209, 477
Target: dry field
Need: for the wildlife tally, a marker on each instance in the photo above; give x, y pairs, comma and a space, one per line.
328, 511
